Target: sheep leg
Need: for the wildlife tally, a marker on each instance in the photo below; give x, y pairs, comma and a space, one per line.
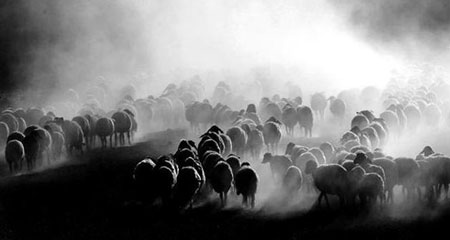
244, 200
225, 196
446, 191
48, 156
10, 167
221, 198
115, 138
391, 195
341, 201
319, 200
326, 200
252, 199
129, 138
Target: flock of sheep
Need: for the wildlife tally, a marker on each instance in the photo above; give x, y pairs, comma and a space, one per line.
234, 143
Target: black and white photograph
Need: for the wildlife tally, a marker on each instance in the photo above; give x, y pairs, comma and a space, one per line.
224, 119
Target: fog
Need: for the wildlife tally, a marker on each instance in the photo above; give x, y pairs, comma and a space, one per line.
63, 44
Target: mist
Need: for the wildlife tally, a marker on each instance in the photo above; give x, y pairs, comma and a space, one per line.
66, 44
413, 30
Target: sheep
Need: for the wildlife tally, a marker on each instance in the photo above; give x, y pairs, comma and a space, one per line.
185, 144
337, 107
184, 153
103, 128
92, 123
305, 120
22, 124
33, 115
340, 156
413, 116
427, 178
347, 136
368, 114
381, 133
356, 130
292, 181
214, 137
427, 151
329, 179
355, 175
350, 144
10, 120
439, 173
42, 138
15, 136
297, 151
85, 126
252, 116
228, 145
318, 154
328, 150
365, 141
221, 180
208, 145
271, 109
251, 108
372, 135
234, 163
58, 143
143, 177
289, 147
408, 172
31, 147
255, 142
122, 126
210, 160
197, 166
238, 139
165, 179
289, 119
370, 188
301, 161
246, 182
188, 184
318, 104
198, 113
391, 175
272, 135
44, 120
360, 121
348, 164
4, 133
73, 134
392, 121
359, 148
278, 165
378, 153
398, 109
53, 127
14, 154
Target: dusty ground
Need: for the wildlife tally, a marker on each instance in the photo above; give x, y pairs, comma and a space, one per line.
92, 197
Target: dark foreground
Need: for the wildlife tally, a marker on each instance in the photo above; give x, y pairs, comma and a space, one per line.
93, 198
